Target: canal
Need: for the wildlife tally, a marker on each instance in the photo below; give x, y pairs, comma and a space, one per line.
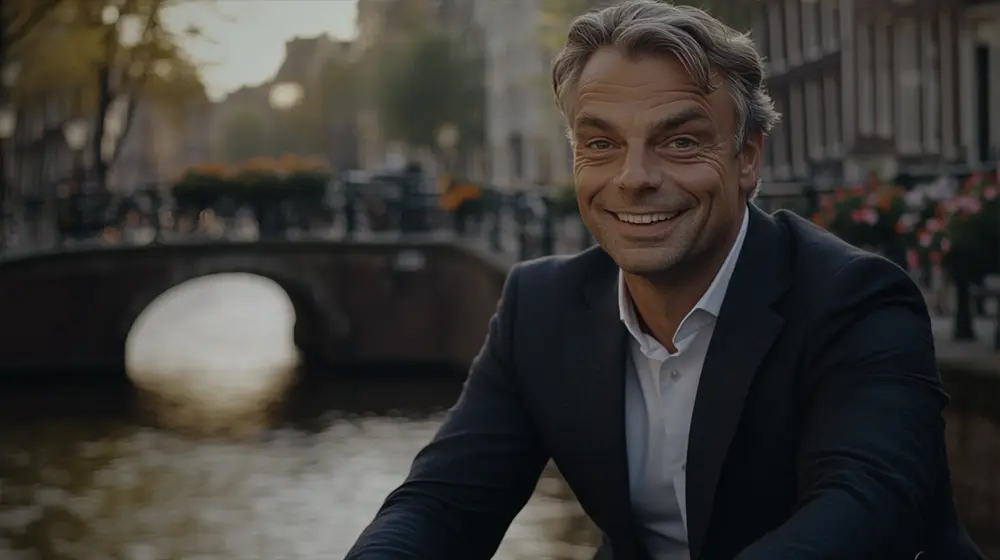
221, 448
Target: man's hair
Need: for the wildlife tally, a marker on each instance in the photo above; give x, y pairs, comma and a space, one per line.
707, 48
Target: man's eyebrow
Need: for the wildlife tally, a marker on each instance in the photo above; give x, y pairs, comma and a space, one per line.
680, 118
592, 121
665, 125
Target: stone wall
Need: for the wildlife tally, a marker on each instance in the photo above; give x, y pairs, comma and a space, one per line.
358, 303
973, 435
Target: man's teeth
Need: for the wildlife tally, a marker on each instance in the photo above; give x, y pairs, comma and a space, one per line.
645, 218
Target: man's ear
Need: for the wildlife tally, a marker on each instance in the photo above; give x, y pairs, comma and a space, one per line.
749, 160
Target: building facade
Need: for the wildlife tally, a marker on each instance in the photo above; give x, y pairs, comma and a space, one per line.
526, 137
885, 87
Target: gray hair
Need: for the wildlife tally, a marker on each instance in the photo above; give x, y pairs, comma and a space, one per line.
704, 46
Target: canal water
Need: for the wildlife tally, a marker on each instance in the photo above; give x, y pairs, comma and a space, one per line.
220, 449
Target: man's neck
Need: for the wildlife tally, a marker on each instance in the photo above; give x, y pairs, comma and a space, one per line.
662, 301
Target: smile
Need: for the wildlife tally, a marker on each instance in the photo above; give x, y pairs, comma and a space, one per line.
651, 218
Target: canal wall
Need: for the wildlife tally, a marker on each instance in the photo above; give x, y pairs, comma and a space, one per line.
356, 303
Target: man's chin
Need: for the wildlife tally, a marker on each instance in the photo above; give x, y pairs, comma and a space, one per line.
644, 261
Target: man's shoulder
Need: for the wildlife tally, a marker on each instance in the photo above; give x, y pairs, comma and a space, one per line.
830, 274
818, 256
560, 279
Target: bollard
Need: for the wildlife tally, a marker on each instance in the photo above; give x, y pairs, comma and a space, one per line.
963, 311
548, 229
495, 232
349, 210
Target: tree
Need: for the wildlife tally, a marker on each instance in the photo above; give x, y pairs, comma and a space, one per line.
426, 84
99, 56
244, 136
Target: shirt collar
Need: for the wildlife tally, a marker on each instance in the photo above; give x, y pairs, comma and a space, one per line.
710, 302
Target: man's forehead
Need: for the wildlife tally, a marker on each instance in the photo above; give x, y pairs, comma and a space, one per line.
610, 65
651, 87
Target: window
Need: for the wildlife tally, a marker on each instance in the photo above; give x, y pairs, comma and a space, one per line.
883, 81
931, 86
829, 25
775, 24
797, 123
866, 80
793, 31
907, 74
516, 149
832, 112
779, 141
811, 29
814, 118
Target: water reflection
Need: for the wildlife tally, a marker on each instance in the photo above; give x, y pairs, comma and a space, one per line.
90, 475
215, 351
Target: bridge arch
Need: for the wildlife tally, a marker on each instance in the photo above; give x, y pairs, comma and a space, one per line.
322, 329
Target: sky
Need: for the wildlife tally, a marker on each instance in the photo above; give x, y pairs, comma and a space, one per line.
244, 40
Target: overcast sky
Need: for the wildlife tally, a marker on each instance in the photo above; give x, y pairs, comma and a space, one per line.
245, 39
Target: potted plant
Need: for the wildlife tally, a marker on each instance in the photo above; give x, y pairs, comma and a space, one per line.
868, 216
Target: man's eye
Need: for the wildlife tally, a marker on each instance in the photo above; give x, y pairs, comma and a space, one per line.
599, 145
682, 143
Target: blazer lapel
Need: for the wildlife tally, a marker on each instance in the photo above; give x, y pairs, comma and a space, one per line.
744, 332
594, 360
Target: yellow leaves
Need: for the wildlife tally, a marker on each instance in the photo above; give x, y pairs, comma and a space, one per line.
285, 165
458, 195
64, 53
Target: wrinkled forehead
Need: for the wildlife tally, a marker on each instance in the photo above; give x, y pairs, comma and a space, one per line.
634, 89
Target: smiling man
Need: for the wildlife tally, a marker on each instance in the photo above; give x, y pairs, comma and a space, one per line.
712, 381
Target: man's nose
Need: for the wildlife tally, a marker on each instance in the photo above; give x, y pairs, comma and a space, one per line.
638, 170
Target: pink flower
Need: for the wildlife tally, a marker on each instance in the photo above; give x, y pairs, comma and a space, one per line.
991, 193
925, 239
933, 225
969, 204
870, 216
945, 245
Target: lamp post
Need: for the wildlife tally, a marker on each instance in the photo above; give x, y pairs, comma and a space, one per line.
75, 132
8, 125
447, 138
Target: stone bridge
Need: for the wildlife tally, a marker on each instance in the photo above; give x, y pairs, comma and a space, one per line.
421, 301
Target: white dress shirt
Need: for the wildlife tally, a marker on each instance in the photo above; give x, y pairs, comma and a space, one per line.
660, 391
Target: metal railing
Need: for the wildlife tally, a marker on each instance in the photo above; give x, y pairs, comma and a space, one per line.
521, 225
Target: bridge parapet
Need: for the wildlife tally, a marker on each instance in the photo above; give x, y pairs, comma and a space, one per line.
355, 301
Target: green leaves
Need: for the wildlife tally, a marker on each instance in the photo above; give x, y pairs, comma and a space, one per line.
425, 83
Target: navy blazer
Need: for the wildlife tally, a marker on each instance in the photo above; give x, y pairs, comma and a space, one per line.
817, 430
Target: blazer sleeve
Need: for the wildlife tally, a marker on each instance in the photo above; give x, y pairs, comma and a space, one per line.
872, 451
465, 487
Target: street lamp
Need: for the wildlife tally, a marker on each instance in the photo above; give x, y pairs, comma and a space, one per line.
285, 95
75, 132
110, 14
8, 124
11, 71
447, 138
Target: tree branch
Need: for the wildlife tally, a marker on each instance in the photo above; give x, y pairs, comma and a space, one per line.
41, 9
133, 104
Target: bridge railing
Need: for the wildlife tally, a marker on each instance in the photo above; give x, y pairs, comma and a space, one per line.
522, 224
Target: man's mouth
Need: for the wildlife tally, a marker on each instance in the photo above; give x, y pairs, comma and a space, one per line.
646, 217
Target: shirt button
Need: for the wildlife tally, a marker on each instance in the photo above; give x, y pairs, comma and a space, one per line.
674, 373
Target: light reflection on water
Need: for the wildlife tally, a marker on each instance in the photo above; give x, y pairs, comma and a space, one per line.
87, 475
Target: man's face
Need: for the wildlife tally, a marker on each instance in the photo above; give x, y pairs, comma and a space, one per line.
658, 178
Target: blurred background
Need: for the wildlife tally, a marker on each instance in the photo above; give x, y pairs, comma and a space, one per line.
248, 248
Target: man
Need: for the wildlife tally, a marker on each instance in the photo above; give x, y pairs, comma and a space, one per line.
713, 382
